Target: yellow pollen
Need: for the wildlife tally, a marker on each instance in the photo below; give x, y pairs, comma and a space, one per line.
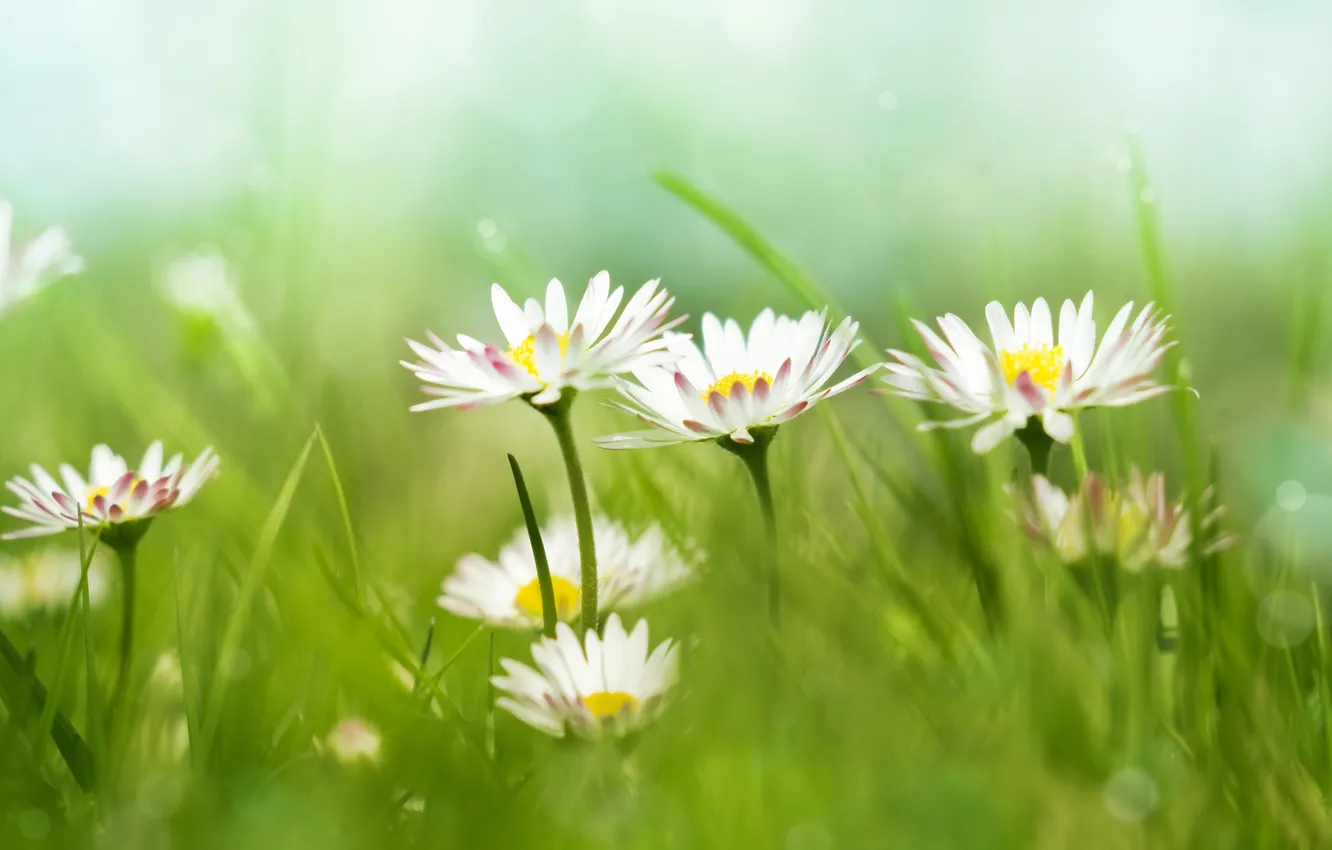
567, 597
525, 354
1132, 520
102, 491
726, 384
605, 704
1045, 364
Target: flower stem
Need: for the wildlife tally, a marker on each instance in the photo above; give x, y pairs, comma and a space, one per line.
128, 554
1038, 445
561, 420
755, 457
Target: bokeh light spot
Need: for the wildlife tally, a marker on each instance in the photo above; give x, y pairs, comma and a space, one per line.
1285, 618
1130, 795
1291, 495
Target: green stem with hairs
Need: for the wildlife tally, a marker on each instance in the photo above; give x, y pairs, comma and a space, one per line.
128, 554
755, 457
560, 416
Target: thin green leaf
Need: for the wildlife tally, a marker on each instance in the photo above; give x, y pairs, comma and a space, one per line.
188, 696
23, 692
234, 630
341, 494
66, 651
548, 610
1144, 201
96, 729
800, 284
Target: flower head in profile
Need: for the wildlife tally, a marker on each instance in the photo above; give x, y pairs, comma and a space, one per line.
113, 496
612, 688
1137, 527
25, 270
1031, 373
505, 592
738, 383
544, 352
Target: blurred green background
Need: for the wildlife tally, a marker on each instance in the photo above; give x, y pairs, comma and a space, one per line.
367, 169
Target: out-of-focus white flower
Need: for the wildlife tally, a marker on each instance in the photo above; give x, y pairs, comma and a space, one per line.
44, 581
736, 383
1137, 527
26, 270
353, 740
202, 286
630, 571
1028, 374
13, 593
546, 352
610, 690
113, 495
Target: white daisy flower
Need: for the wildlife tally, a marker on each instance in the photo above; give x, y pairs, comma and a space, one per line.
353, 740
506, 592
610, 690
26, 271
1138, 527
545, 351
112, 495
737, 383
1029, 374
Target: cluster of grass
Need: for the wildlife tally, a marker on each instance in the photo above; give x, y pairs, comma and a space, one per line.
888, 710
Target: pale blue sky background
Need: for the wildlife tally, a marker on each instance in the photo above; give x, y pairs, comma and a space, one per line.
885, 145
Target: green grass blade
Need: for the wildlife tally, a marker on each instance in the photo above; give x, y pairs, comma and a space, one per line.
795, 279
548, 611
1306, 319
66, 650
22, 692
343, 510
188, 696
234, 630
1162, 291
96, 729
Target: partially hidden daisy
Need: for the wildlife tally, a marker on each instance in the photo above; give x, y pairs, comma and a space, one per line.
505, 592
736, 384
1030, 373
1135, 527
113, 497
26, 270
544, 352
609, 689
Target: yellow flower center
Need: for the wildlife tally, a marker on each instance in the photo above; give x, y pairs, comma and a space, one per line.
1132, 522
567, 597
605, 704
726, 384
1045, 364
524, 354
103, 491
